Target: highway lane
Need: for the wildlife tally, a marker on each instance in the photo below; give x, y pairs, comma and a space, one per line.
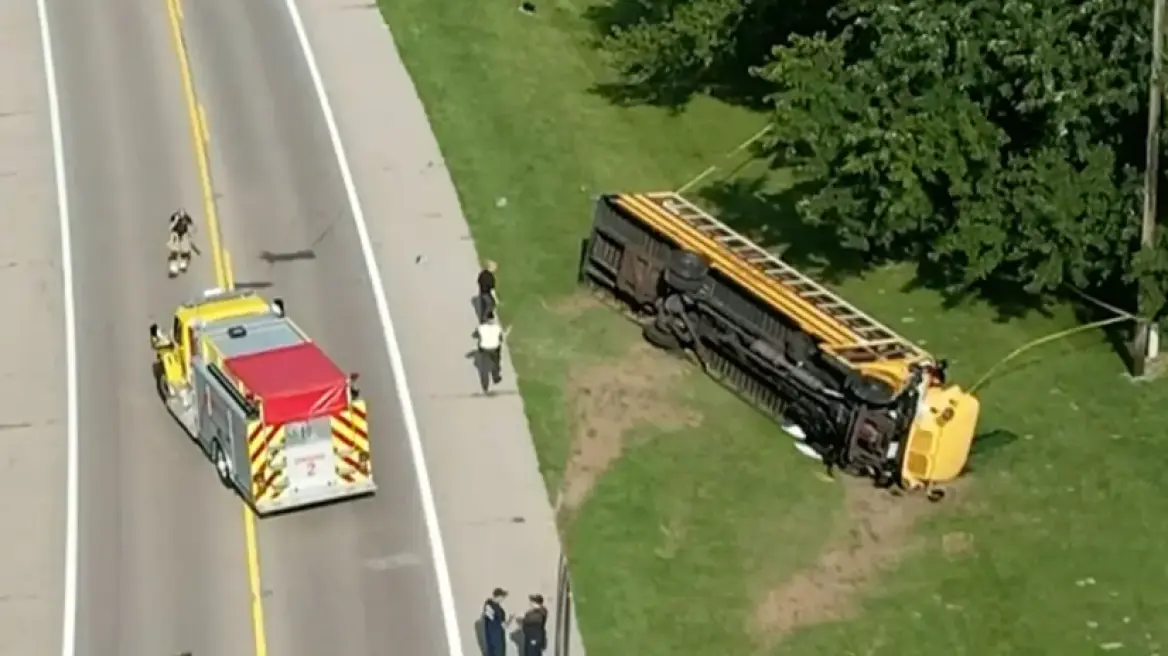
353, 578
162, 567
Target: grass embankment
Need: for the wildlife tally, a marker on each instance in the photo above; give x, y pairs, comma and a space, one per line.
706, 533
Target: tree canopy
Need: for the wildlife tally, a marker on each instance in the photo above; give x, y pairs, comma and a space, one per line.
996, 140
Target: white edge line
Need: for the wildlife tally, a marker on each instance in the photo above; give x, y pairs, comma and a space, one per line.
429, 509
69, 613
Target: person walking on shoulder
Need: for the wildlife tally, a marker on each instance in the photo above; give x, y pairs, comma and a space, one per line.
490, 336
494, 620
534, 627
487, 299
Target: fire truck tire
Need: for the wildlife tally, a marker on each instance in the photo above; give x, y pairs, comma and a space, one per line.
222, 467
163, 388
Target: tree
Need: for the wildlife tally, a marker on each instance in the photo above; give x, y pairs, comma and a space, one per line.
997, 139
665, 51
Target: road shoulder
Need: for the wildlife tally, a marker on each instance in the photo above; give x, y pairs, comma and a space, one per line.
497, 524
32, 379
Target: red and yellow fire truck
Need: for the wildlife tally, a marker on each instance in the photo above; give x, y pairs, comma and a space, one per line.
283, 425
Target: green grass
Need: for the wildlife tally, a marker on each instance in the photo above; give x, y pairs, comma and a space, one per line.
691, 526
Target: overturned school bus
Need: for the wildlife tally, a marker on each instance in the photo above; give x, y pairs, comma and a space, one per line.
850, 390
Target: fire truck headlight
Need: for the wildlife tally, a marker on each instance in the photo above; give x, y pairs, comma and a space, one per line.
279, 463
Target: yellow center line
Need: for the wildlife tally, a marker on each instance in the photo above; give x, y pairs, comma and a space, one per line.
201, 159
224, 279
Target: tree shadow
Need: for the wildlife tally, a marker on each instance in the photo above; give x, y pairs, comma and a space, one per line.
1119, 336
1008, 299
673, 96
986, 445
768, 217
728, 78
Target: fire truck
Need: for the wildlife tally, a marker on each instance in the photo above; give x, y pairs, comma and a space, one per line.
850, 390
283, 425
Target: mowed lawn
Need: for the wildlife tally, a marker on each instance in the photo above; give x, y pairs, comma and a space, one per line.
693, 525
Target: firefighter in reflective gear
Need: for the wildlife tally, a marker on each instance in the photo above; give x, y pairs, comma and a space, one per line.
494, 622
178, 242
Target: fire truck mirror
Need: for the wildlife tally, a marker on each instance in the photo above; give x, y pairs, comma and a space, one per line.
278, 306
356, 393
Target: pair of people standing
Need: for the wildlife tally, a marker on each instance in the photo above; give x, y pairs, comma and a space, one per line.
533, 625
489, 334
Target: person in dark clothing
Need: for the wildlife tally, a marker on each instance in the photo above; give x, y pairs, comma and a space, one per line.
494, 621
487, 299
534, 625
178, 242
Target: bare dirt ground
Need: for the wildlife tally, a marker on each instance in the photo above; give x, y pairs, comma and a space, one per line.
610, 398
877, 532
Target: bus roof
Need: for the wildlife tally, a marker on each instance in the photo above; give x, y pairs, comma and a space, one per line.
293, 383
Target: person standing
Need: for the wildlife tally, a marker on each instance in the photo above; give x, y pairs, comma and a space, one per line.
487, 299
178, 242
534, 626
494, 620
490, 336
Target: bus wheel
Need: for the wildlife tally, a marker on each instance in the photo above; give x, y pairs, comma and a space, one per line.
935, 495
659, 337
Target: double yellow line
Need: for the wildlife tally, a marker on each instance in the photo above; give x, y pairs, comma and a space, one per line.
224, 279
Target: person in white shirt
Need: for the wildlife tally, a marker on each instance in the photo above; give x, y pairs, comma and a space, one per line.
490, 336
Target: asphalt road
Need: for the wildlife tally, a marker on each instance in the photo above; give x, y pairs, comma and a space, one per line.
163, 567
354, 578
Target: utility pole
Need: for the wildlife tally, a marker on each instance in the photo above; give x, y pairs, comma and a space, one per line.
1147, 342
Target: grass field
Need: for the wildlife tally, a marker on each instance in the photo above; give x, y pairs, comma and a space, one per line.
693, 525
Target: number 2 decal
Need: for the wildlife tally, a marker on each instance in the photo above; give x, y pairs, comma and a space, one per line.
311, 467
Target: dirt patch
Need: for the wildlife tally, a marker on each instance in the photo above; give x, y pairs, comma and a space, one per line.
608, 399
877, 533
574, 305
956, 544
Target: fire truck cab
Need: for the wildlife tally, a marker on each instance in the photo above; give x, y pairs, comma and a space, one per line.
283, 425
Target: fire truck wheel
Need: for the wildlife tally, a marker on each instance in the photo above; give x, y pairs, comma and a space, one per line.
221, 464
164, 389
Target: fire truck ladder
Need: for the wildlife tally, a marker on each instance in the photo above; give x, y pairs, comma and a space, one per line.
876, 341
